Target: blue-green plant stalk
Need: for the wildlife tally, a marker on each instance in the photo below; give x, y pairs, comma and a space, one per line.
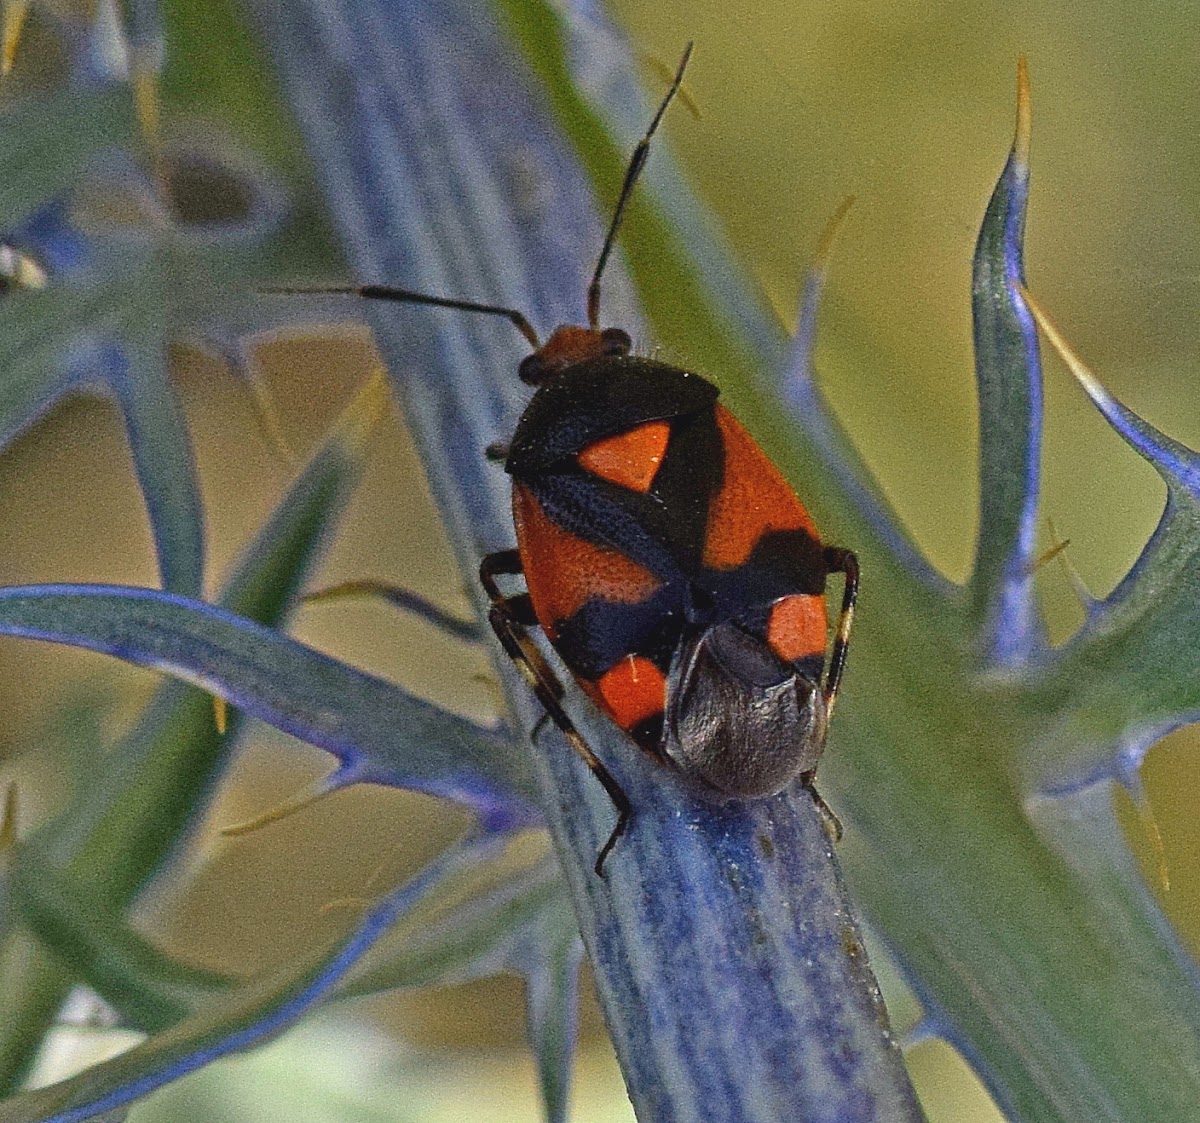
732, 976
1019, 946
76, 878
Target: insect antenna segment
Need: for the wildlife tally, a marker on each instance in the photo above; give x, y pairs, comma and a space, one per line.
518, 319
636, 163
406, 296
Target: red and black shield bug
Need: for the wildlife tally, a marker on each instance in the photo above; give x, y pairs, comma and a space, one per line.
665, 558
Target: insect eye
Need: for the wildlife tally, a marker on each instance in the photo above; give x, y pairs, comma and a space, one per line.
532, 370
616, 341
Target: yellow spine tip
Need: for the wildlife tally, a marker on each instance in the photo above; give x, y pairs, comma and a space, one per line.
1153, 834
1022, 137
1059, 550
344, 589
339, 903
275, 814
268, 418
8, 820
145, 96
830, 234
1047, 556
15, 12
1075, 364
220, 714
666, 72
366, 410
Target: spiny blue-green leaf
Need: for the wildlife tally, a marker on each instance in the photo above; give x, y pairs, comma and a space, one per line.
143, 794
1018, 958
500, 919
112, 301
1132, 672
496, 915
80, 925
475, 925
1009, 380
173, 755
100, 321
239, 1019
46, 348
381, 733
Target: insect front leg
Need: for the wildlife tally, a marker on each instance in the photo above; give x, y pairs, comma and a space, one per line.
511, 618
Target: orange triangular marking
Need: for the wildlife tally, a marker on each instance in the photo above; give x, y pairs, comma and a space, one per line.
630, 459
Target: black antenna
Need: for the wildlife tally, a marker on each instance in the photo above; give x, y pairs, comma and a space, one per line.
636, 162
384, 292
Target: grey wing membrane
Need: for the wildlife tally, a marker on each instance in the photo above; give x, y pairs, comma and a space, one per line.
738, 717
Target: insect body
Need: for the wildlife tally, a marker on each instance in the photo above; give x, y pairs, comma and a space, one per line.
671, 567
666, 559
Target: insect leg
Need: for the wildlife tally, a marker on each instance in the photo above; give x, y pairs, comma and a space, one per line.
838, 560
833, 825
511, 618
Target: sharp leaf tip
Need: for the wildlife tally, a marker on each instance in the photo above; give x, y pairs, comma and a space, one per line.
280, 811
1024, 130
830, 234
8, 820
1075, 364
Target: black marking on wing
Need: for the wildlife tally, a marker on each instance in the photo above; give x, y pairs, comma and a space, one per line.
602, 633
662, 529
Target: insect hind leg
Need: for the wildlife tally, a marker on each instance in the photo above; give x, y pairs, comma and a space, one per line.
832, 824
511, 617
838, 560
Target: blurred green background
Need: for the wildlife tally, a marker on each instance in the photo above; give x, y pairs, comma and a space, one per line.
907, 106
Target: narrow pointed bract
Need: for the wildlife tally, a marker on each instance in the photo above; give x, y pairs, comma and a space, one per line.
800, 392
1009, 380
261, 1009
1175, 462
1134, 663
